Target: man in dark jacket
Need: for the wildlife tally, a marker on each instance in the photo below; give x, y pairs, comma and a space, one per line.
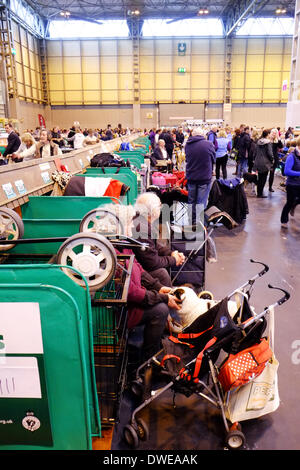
212, 136
166, 136
243, 147
13, 142
200, 155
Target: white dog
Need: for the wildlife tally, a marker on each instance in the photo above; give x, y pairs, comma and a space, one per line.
192, 307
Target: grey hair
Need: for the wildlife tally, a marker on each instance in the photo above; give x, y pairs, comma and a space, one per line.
148, 204
198, 131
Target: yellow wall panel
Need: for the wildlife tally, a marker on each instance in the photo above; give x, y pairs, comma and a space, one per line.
253, 95
125, 81
200, 80
54, 48
24, 55
181, 80
255, 63
237, 79
72, 64
109, 81
216, 80
91, 97
57, 97
217, 63
200, 46
181, 95
124, 64
146, 47
147, 80
271, 95
163, 64
55, 65
71, 48
163, 81
216, 95
254, 79
74, 97
56, 82
73, 81
198, 95
217, 46
239, 46
255, 46
89, 48
109, 64
237, 95
125, 96
164, 46
274, 46
200, 63
109, 96
164, 96
287, 62
108, 48
90, 65
238, 63
273, 62
181, 62
91, 81
147, 63
125, 47
272, 80
147, 96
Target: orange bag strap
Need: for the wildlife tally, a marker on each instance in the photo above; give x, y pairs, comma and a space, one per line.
167, 357
200, 356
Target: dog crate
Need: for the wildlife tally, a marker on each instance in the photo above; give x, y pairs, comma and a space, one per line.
110, 336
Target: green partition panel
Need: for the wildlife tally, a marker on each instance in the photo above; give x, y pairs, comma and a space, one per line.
50, 217
46, 330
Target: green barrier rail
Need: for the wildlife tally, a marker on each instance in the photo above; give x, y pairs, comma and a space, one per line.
68, 410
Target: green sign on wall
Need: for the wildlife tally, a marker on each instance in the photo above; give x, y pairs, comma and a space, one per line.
181, 48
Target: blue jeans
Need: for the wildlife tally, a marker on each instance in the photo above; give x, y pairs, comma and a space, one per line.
242, 167
197, 199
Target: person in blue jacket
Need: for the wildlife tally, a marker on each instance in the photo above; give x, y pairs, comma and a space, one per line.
224, 146
292, 171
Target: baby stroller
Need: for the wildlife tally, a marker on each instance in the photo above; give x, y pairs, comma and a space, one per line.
190, 361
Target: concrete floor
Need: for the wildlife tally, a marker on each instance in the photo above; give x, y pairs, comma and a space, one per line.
195, 424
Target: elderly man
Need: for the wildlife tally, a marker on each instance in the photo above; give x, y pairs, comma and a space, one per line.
156, 259
200, 155
160, 152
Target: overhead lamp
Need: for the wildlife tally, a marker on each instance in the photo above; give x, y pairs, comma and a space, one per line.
280, 11
136, 12
66, 14
203, 11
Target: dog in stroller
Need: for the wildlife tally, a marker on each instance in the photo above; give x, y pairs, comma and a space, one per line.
222, 349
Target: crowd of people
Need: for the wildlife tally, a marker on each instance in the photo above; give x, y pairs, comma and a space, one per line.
258, 154
41, 142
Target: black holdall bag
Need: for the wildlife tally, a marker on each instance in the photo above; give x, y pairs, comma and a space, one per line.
102, 160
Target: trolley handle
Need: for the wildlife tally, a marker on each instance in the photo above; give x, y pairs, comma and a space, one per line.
283, 299
264, 271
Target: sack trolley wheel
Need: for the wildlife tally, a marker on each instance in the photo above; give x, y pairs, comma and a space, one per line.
92, 255
131, 436
235, 438
11, 227
101, 221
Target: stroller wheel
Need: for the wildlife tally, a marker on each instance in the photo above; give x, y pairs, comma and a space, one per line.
235, 439
142, 430
131, 437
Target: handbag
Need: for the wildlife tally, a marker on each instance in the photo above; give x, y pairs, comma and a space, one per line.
239, 369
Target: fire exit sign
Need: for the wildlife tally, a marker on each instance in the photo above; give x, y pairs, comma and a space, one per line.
181, 69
